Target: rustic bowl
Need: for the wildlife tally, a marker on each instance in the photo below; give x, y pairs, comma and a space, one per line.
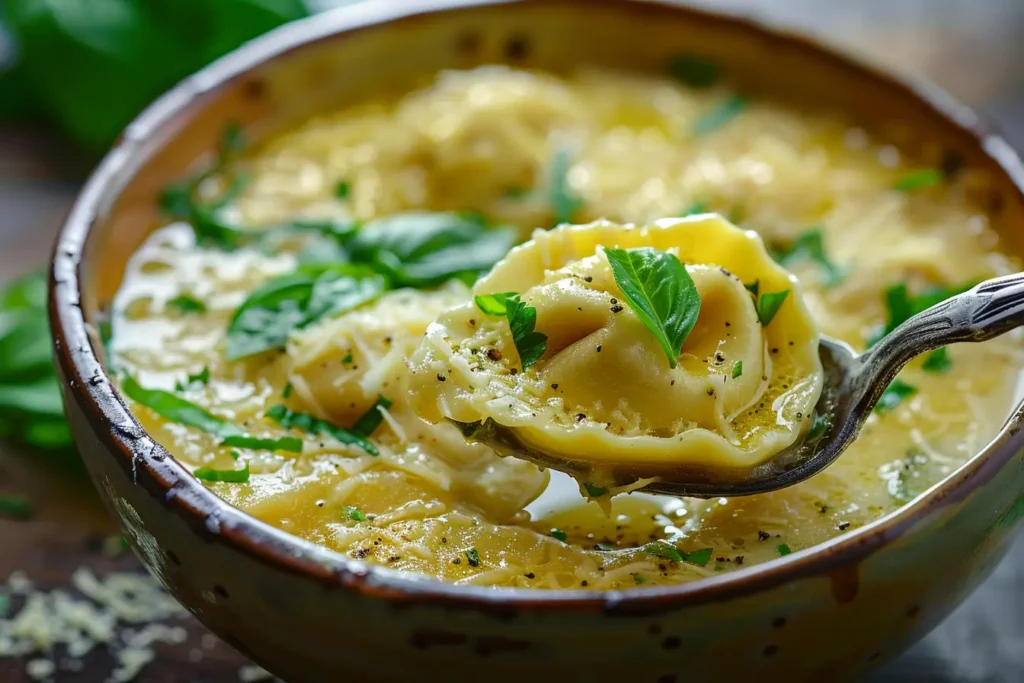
307, 614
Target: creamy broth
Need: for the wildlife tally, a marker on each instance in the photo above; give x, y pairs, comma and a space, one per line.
514, 146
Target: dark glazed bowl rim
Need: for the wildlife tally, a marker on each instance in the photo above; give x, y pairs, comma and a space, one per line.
89, 387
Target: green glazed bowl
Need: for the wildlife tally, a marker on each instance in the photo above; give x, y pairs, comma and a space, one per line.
827, 613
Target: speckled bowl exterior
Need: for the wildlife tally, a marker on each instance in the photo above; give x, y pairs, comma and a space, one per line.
828, 613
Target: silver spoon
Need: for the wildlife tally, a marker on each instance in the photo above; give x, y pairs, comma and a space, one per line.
853, 385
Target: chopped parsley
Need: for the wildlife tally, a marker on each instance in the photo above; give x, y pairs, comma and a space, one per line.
810, 245
638, 578
737, 370
342, 190
559, 534
372, 418
661, 293
231, 476
354, 513
473, 557
186, 303
15, 507
694, 71
938, 361
595, 491
768, 305
783, 549
564, 202
699, 557
290, 419
754, 288
894, 395
725, 112
347, 359
522, 321
920, 179
284, 443
668, 551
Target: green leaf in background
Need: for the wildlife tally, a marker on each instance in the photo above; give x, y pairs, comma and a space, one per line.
894, 395
660, 292
811, 245
564, 202
92, 65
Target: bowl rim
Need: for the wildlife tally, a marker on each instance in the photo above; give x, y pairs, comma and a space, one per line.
87, 384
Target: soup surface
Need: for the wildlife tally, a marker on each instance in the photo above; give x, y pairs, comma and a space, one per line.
265, 338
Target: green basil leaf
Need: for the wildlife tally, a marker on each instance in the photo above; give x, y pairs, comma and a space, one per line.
186, 303
938, 361
664, 550
230, 476
699, 557
920, 179
560, 535
26, 352
900, 305
594, 491
737, 370
754, 288
783, 549
368, 423
810, 245
724, 113
522, 320
290, 444
342, 190
176, 409
354, 513
493, 304
565, 204
661, 293
894, 395
290, 419
270, 313
768, 304
694, 71
473, 557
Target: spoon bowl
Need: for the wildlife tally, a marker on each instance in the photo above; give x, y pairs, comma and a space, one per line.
853, 385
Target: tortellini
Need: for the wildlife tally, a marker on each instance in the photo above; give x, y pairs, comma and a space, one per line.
604, 397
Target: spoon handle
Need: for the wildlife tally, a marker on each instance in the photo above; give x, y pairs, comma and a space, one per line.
983, 312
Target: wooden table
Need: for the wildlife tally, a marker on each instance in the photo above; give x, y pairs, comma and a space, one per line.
970, 51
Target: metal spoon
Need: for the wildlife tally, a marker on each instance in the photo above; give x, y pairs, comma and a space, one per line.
853, 385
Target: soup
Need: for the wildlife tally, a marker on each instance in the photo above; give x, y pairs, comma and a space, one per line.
266, 339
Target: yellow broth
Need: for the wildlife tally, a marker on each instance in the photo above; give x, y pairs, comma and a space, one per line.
635, 149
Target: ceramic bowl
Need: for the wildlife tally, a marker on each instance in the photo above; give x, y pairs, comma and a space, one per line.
827, 613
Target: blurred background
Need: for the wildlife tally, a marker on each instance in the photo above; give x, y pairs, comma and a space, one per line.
73, 72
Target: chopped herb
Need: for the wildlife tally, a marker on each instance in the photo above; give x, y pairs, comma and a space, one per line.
354, 513
176, 409
290, 302
347, 359
15, 507
810, 245
559, 534
699, 557
201, 377
665, 550
522, 321
595, 491
920, 179
660, 292
473, 557
287, 391
564, 203
737, 370
290, 419
284, 443
818, 427
517, 192
695, 209
725, 112
894, 395
342, 190
694, 71
754, 288
938, 361
768, 304
231, 476
900, 305
783, 549
185, 304
638, 578
370, 420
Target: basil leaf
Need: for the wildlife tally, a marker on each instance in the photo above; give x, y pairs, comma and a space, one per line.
559, 534
564, 202
699, 557
664, 550
522, 320
290, 419
920, 179
894, 395
810, 245
186, 303
493, 304
290, 444
342, 190
368, 423
661, 293
783, 549
694, 71
937, 361
754, 288
725, 112
594, 491
176, 409
201, 377
473, 557
737, 370
230, 476
26, 353
354, 513
768, 304
900, 305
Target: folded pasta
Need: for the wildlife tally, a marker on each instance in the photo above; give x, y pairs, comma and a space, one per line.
598, 387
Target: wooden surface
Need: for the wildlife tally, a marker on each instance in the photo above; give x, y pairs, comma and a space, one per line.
968, 46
